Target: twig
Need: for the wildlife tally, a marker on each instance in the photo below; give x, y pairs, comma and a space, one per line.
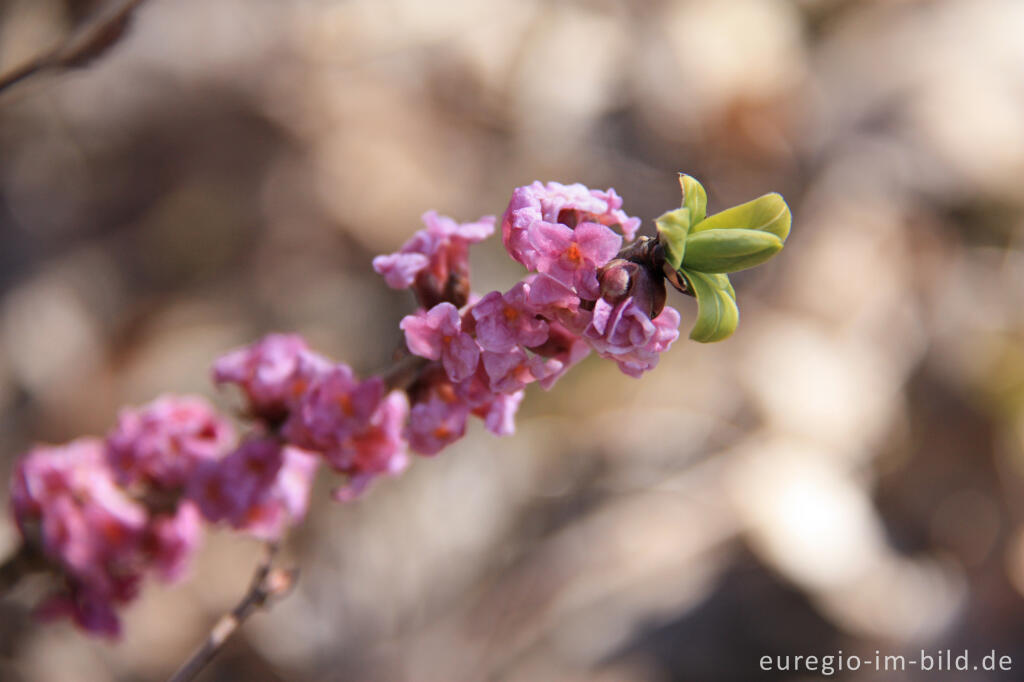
267, 583
84, 45
403, 371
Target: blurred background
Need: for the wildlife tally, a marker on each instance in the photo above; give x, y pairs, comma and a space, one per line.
845, 473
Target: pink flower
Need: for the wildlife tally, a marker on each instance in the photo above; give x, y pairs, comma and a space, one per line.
273, 373
68, 493
399, 269
618, 329
161, 443
557, 302
573, 256
66, 503
554, 203
260, 488
377, 449
436, 423
354, 424
435, 260
499, 414
469, 233
550, 296
514, 369
624, 333
172, 540
645, 358
506, 321
437, 335
336, 406
562, 345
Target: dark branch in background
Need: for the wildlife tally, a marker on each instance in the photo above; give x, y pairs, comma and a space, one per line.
267, 583
83, 46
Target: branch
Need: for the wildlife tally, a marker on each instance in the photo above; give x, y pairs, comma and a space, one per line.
267, 583
81, 47
403, 371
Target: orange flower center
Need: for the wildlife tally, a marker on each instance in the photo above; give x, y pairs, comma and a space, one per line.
573, 255
510, 313
442, 432
345, 403
446, 392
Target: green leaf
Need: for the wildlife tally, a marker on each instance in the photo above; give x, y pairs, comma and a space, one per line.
768, 213
717, 313
672, 230
721, 250
694, 197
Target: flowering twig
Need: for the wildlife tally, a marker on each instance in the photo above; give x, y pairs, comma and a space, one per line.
106, 511
84, 45
268, 583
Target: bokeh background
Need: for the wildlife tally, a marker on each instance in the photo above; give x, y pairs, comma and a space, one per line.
845, 473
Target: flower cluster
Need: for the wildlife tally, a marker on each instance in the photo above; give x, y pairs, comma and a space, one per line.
578, 297
314, 404
66, 499
104, 512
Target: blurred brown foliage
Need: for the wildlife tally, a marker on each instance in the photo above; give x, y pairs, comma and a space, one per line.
844, 473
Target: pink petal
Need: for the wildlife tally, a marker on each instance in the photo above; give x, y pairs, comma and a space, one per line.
421, 337
500, 419
597, 243
400, 269
551, 239
460, 357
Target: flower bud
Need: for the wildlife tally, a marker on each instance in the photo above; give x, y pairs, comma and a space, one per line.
620, 279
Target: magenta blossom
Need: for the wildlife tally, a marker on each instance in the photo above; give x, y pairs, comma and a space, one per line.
335, 407
273, 373
172, 540
436, 423
67, 498
512, 370
557, 303
624, 333
260, 488
354, 425
499, 414
504, 321
66, 503
573, 256
554, 203
440, 247
564, 346
445, 403
436, 259
161, 443
379, 448
437, 334
645, 358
